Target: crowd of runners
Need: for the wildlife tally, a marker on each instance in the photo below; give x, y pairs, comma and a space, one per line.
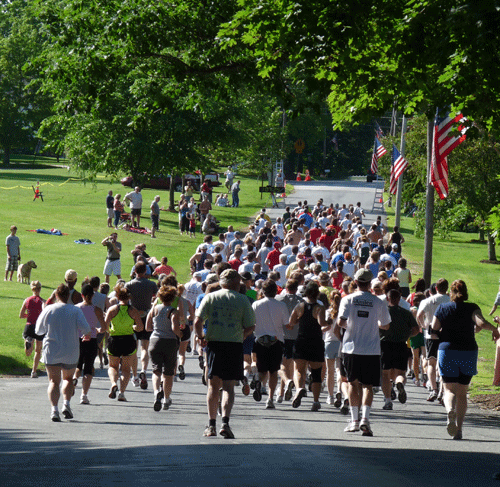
316, 302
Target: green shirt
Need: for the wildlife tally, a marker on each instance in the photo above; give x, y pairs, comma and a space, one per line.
227, 314
402, 321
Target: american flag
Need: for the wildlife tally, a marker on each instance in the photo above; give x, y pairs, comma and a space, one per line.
398, 166
378, 152
378, 130
443, 144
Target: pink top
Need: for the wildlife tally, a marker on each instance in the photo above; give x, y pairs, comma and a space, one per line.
163, 269
90, 316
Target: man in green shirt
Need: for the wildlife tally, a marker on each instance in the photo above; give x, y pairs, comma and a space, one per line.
229, 319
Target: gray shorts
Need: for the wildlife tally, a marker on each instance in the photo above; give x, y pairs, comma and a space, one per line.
332, 350
112, 267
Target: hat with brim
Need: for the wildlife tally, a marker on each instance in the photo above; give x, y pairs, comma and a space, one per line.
363, 275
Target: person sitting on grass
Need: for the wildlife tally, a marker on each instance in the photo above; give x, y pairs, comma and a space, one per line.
163, 268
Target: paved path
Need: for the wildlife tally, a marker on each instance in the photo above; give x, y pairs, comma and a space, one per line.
112, 443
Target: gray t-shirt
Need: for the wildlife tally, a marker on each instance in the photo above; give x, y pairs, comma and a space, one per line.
291, 301
13, 242
112, 253
155, 208
141, 291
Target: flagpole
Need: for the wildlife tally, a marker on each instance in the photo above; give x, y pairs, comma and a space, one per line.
429, 208
400, 180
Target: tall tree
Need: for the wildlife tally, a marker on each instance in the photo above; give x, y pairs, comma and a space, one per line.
21, 108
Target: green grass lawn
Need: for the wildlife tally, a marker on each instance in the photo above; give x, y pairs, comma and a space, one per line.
460, 258
78, 208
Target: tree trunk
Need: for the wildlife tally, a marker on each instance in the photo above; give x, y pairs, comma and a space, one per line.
6, 155
491, 247
481, 234
171, 192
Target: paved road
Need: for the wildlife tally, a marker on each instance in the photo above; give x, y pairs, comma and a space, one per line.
349, 192
112, 443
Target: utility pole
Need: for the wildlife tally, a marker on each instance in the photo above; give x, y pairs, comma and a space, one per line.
429, 208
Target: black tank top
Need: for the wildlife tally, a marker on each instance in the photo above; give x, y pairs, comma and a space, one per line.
309, 328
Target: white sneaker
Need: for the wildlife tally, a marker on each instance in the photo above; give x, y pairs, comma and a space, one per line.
84, 399
136, 381
270, 404
330, 400
166, 403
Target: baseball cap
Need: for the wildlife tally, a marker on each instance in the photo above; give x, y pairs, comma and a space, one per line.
228, 275
394, 246
211, 278
70, 275
246, 276
363, 275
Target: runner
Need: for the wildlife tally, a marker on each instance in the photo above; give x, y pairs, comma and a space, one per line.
229, 319
362, 314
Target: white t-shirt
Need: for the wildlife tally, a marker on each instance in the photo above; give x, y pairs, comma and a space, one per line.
270, 318
428, 307
63, 325
364, 313
135, 200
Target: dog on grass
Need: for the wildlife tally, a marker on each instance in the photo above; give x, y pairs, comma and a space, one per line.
24, 272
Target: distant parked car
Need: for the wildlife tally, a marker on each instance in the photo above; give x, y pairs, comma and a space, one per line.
163, 182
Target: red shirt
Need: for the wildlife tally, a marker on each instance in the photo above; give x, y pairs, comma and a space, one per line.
235, 264
315, 233
34, 308
274, 258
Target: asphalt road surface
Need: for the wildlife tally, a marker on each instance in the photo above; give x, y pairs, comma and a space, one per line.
112, 443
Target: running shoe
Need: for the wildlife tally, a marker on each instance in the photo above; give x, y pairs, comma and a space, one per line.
195, 352
338, 399
288, 390
182, 373
451, 427
28, 343
417, 383
352, 427
279, 399
121, 397
316, 406
364, 426
210, 431
84, 399
112, 392
245, 389
136, 381
201, 362
54, 416
252, 383
203, 379
105, 358
34, 375
157, 403
387, 406
226, 432
393, 393
330, 400
432, 396
376, 390
298, 398
66, 412
144, 380
257, 393
401, 392
270, 404
188, 348
263, 390
167, 403
345, 407
458, 436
